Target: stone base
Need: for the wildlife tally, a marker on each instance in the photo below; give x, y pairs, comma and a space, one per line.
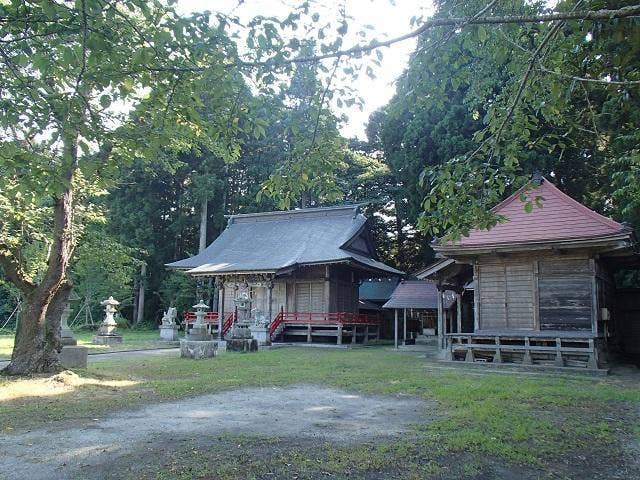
198, 349
73, 357
261, 334
107, 339
242, 345
68, 341
199, 334
169, 332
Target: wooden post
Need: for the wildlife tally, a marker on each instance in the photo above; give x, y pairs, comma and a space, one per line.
440, 320
327, 289
366, 334
536, 295
354, 329
476, 297
339, 339
594, 296
497, 358
395, 328
559, 361
220, 309
458, 313
270, 300
527, 360
404, 326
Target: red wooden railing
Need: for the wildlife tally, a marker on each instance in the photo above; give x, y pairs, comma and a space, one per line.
319, 318
211, 318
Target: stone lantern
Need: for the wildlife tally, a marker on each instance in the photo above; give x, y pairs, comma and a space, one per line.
107, 332
241, 339
66, 335
198, 343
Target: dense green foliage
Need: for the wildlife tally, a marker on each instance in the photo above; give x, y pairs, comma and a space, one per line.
148, 117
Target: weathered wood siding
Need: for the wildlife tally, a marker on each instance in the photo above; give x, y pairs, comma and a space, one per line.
565, 294
506, 295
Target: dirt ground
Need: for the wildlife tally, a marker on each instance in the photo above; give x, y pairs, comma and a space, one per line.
98, 447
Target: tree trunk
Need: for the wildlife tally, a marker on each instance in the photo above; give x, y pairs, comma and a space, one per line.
203, 225
36, 341
400, 237
37, 338
140, 310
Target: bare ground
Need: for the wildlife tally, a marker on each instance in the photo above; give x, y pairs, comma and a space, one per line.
304, 412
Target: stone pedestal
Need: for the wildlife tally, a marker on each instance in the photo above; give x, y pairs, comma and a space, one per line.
241, 340
169, 332
261, 334
66, 337
73, 356
243, 345
113, 339
198, 349
199, 333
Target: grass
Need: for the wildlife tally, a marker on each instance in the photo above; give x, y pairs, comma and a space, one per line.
515, 419
132, 340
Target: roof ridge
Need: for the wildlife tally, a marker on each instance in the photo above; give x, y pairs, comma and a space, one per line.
609, 222
568, 200
334, 208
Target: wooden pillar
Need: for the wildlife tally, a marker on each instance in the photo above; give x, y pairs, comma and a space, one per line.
459, 313
327, 289
309, 336
476, 297
270, 300
220, 308
594, 296
339, 339
354, 329
404, 326
440, 320
395, 328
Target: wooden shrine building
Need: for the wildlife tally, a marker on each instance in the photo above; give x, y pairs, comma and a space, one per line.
543, 289
301, 268
420, 296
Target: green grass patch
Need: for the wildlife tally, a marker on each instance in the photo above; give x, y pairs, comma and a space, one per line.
133, 339
520, 419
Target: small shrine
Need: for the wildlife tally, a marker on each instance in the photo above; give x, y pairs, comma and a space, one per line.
107, 334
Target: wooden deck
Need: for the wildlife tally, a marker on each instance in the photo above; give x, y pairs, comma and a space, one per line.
557, 348
344, 327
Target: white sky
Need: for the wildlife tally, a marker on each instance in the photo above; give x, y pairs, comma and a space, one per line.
390, 18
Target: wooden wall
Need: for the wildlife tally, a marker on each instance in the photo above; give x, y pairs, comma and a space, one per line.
308, 289
536, 291
566, 294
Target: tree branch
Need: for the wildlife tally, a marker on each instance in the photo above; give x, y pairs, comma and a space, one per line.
624, 12
13, 270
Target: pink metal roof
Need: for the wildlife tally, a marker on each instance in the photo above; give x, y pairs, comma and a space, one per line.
560, 218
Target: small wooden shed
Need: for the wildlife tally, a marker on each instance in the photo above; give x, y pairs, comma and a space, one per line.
420, 295
301, 268
543, 282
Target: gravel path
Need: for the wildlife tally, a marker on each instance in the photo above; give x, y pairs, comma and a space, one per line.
102, 356
303, 411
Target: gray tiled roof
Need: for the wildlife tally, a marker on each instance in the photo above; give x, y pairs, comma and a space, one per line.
274, 241
418, 294
378, 290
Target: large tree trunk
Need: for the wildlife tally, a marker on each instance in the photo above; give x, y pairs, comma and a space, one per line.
37, 336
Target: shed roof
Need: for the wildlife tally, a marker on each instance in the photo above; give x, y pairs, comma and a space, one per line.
559, 218
274, 241
378, 290
418, 294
